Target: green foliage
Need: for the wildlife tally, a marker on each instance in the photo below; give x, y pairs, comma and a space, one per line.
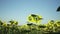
51, 27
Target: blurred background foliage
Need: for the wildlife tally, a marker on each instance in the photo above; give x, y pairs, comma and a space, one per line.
52, 26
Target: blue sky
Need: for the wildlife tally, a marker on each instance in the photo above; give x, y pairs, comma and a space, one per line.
20, 9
